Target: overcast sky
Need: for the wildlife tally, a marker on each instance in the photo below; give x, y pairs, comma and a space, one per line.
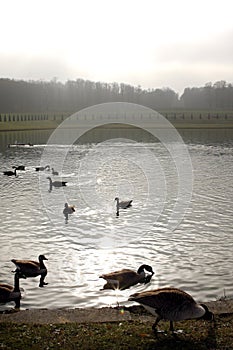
152, 43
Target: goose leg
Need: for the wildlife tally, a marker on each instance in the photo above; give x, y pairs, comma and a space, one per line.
174, 333
17, 303
155, 325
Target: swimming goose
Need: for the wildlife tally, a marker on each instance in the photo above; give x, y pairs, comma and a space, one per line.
68, 209
42, 168
55, 183
54, 172
171, 304
10, 173
122, 205
11, 293
20, 167
126, 278
32, 268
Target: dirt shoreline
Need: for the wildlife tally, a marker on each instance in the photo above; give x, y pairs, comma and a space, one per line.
96, 315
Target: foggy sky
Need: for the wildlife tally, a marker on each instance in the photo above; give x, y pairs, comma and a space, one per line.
149, 43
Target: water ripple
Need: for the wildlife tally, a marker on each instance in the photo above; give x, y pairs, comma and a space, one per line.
197, 256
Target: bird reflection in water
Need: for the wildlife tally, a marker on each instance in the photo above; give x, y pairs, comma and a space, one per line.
68, 210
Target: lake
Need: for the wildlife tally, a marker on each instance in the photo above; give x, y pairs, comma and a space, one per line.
195, 256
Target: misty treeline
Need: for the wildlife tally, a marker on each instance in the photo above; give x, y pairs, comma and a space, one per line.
39, 96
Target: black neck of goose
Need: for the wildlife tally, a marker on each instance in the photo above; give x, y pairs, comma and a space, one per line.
16, 286
145, 267
42, 265
141, 269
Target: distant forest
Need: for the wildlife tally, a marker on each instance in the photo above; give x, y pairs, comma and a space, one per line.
39, 96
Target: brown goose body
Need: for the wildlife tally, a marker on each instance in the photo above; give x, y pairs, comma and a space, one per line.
31, 268
11, 293
127, 278
171, 304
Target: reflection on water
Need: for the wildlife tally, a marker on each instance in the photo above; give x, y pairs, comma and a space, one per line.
197, 256
98, 134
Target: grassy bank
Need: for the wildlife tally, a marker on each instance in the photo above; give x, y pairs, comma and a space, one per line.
135, 334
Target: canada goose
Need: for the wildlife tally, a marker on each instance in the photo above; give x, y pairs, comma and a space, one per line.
32, 268
122, 205
10, 173
126, 278
171, 304
11, 293
20, 167
42, 168
54, 172
55, 183
68, 209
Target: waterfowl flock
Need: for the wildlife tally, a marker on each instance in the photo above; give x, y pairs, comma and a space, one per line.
168, 303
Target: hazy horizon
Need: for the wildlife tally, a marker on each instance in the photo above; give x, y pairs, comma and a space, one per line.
151, 44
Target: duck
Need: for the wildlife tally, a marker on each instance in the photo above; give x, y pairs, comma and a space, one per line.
11, 293
171, 304
32, 268
127, 278
122, 204
54, 172
55, 183
10, 173
42, 168
20, 167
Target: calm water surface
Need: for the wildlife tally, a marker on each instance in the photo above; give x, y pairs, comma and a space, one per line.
197, 256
